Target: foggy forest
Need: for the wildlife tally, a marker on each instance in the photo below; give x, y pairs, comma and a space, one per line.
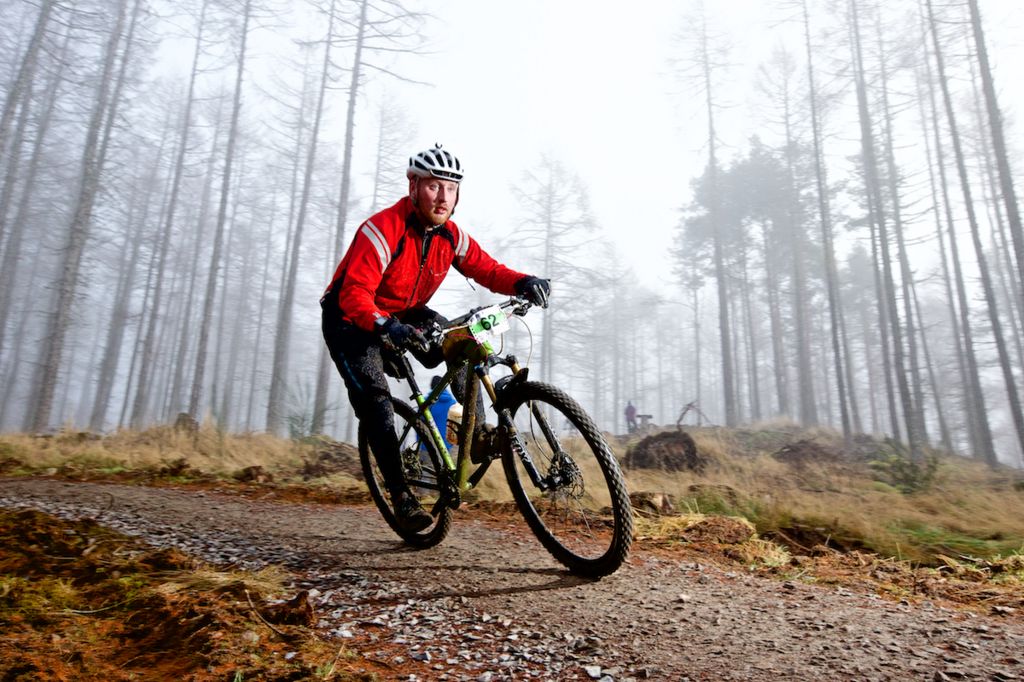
179, 179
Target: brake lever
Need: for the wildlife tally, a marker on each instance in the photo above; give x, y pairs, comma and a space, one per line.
434, 334
520, 306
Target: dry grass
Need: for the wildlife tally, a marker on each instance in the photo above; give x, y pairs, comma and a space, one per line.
966, 509
269, 581
492, 487
207, 450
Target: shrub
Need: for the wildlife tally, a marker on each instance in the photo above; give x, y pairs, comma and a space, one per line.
894, 466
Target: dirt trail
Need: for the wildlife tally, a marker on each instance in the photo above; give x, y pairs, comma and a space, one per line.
490, 604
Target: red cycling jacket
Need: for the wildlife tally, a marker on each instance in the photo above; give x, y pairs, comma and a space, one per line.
392, 266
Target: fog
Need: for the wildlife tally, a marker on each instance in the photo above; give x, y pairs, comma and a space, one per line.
791, 212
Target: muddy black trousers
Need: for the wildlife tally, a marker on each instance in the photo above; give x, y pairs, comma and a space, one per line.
360, 358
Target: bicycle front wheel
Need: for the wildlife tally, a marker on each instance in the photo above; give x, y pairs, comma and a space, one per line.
424, 472
580, 510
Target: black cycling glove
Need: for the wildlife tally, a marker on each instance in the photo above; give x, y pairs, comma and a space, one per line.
534, 289
400, 335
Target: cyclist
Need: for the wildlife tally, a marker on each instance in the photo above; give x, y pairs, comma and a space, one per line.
378, 295
630, 417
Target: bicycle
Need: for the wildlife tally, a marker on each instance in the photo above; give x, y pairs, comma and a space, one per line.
563, 476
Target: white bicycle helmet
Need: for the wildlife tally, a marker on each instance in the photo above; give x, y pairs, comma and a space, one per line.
436, 162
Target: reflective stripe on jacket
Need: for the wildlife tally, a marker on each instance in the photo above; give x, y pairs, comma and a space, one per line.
387, 270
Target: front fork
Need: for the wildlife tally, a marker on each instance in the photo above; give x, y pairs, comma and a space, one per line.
515, 440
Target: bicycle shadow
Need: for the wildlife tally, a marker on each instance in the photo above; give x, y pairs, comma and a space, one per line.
561, 579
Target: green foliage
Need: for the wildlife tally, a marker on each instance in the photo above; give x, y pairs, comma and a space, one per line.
720, 500
894, 466
92, 462
933, 540
36, 600
883, 487
131, 586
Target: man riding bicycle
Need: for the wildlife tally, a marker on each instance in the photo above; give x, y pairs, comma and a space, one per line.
377, 300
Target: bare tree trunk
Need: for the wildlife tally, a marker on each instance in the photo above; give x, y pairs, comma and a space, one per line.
324, 365
616, 348
228, 379
1011, 290
864, 316
187, 330
278, 380
24, 77
851, 385
831, 273
724, 326
176, 321
257, 343
808, 412
661, 376
993, 314
947, 280
752, 355
78, 410
222, 382
940, 412
12, 254
78, 233
906, 274
12, 174
166, 232
394, 132
597, 389
995, 121
884, 340
546, 334
775, 321
137, 350
218, 235
878, 217
122, 297
697, 348
16, 362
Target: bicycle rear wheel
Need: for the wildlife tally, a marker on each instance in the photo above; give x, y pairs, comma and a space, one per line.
424, 472
583, 516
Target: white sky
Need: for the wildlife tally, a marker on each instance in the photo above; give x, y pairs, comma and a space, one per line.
590, 83
581, 81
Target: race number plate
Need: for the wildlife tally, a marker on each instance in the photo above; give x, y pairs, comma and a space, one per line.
488, 324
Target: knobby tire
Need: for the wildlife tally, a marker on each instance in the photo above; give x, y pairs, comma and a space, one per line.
587, 525
420, 463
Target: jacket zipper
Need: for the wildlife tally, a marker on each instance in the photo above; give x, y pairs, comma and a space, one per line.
423, 261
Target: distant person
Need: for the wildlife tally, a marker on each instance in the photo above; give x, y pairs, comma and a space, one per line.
630, 417
377, 300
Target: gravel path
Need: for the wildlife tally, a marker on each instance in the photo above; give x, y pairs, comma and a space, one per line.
489, 604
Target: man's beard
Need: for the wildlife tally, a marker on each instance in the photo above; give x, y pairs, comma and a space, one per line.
429, 217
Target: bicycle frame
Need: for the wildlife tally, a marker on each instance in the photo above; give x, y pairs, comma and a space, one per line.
479, 356
559, 482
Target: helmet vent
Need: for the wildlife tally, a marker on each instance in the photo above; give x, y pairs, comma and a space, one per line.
436, 162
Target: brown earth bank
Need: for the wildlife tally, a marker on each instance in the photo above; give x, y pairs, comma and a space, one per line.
488, 604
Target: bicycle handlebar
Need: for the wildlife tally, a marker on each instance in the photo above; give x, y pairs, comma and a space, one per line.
517, 306
514, 305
